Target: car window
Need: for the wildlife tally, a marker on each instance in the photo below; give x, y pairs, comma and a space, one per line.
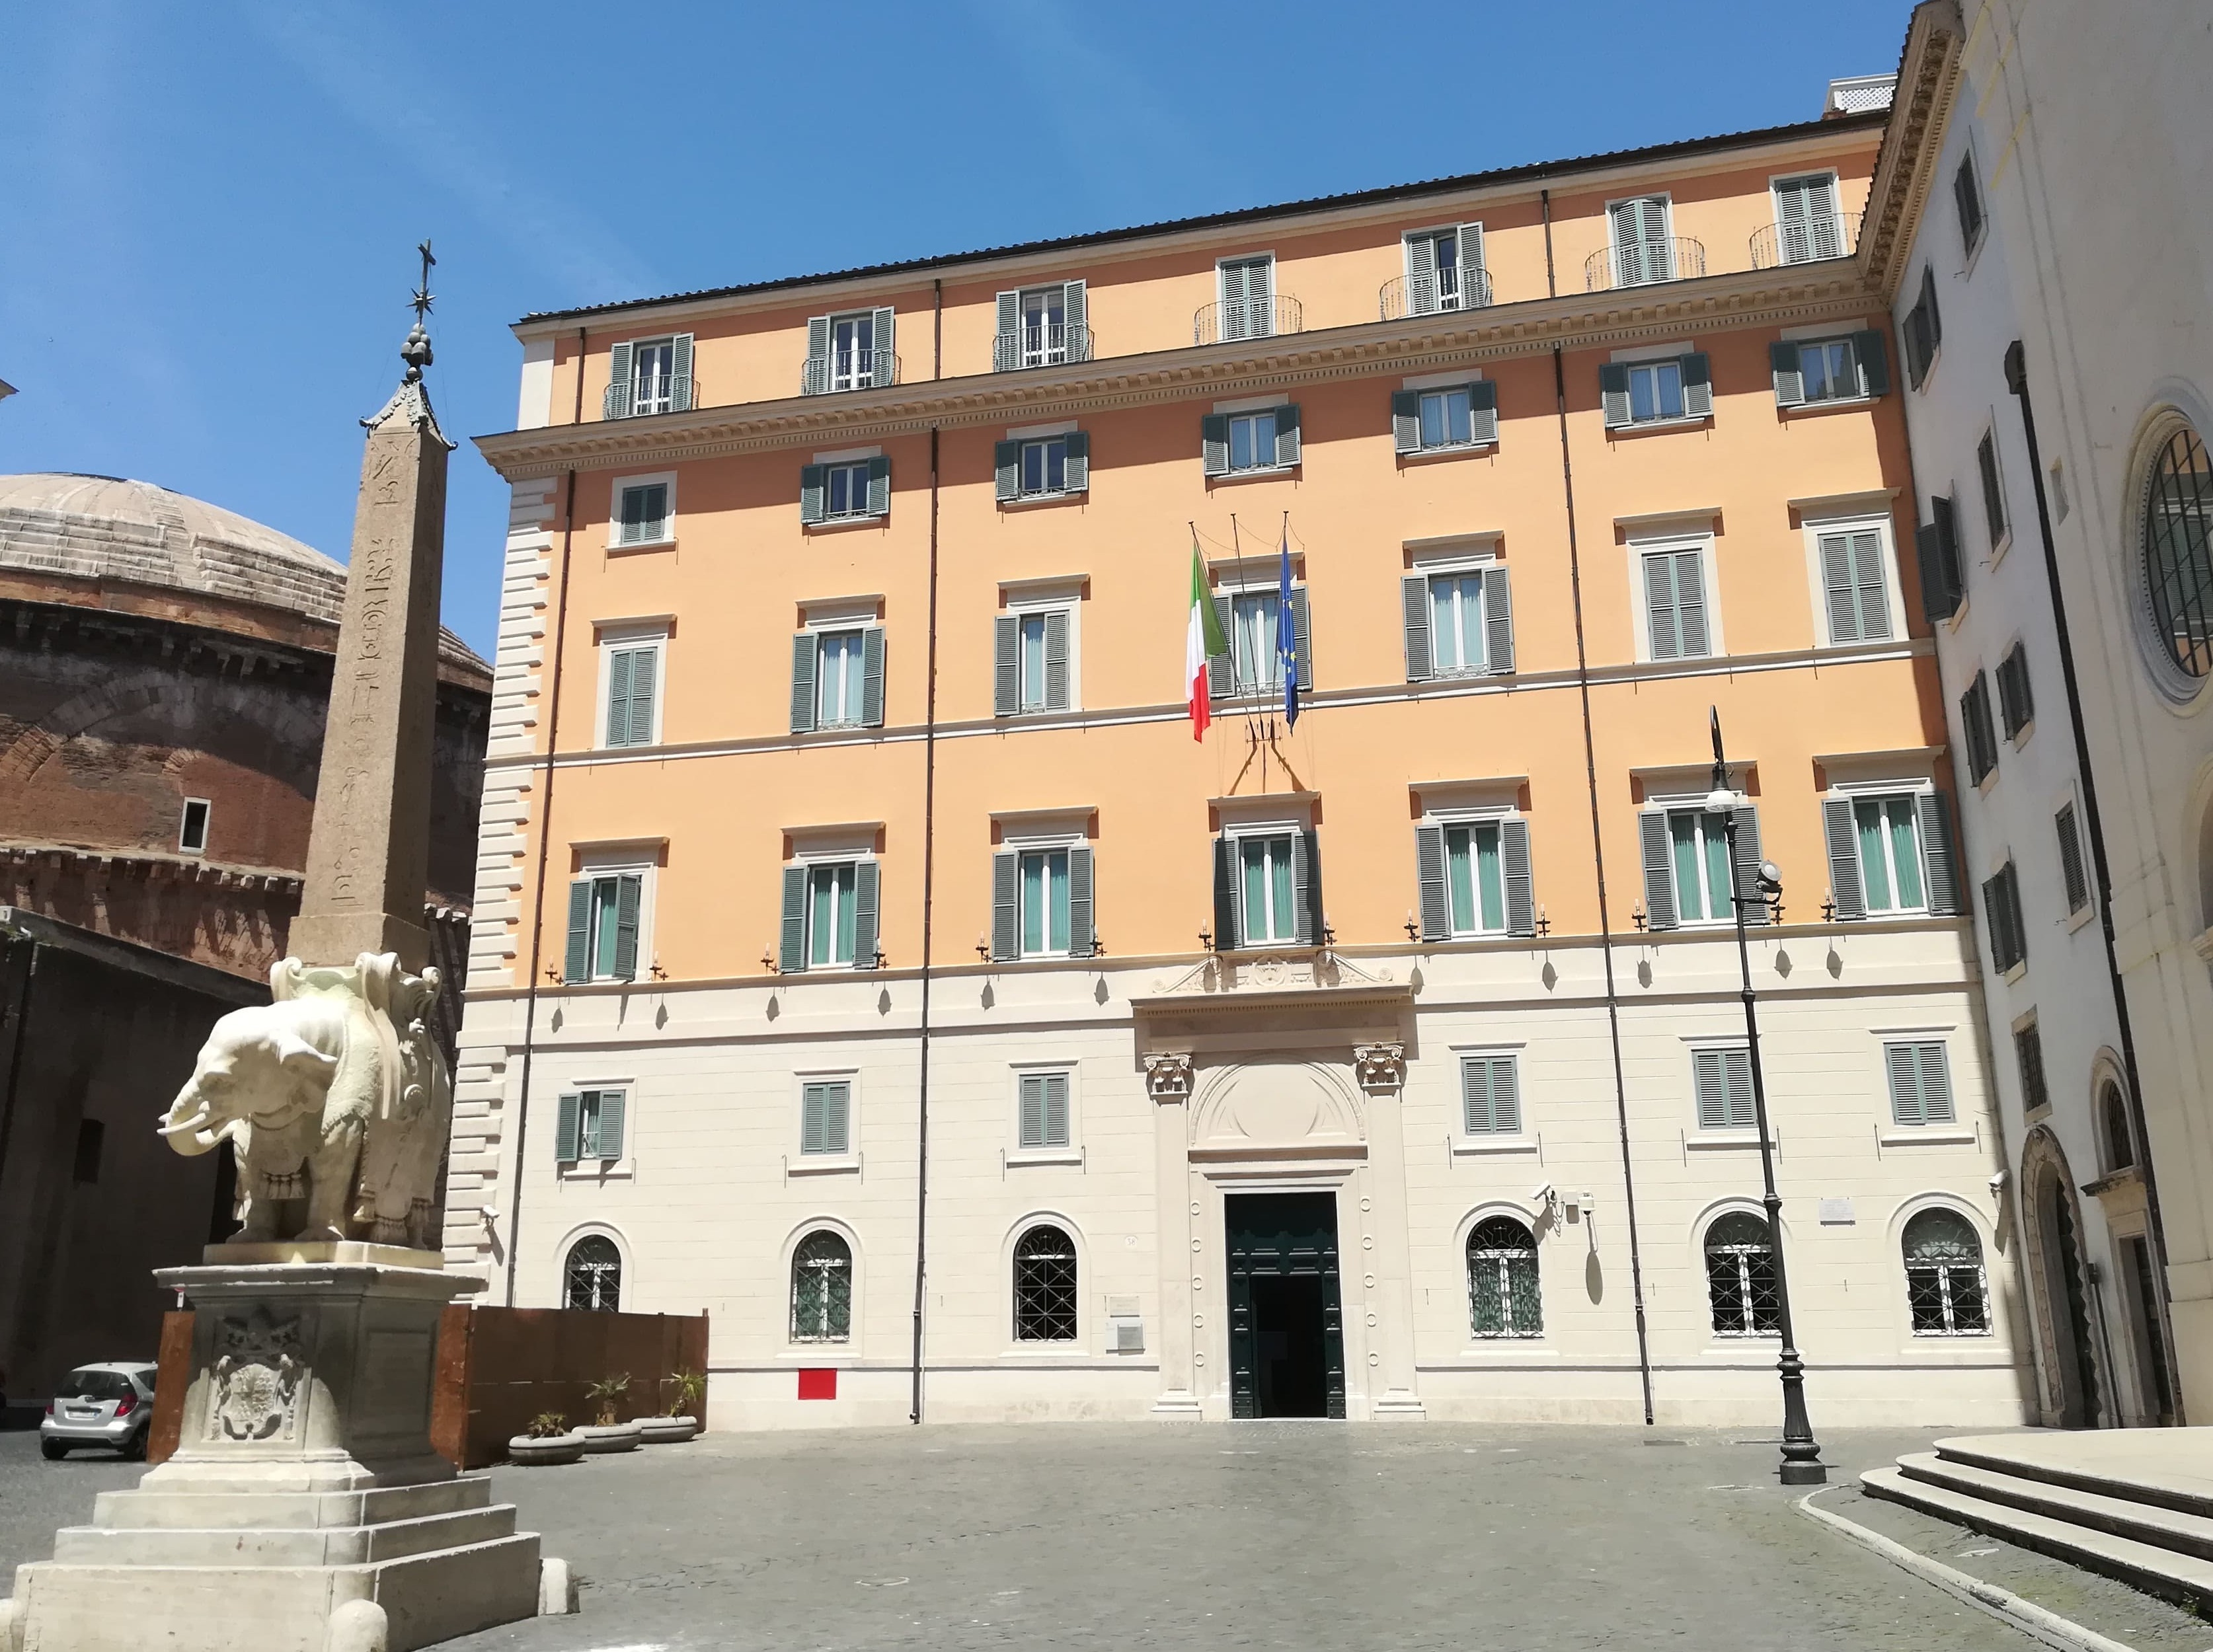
94, 1385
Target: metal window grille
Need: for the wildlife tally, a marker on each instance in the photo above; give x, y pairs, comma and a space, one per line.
1045, 1286
2178, 551
594, 1276
822, 1290
1945, 1288
2028, 1050
1503, 1298
1741, 1277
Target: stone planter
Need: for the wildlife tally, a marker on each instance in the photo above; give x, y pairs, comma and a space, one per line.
622, 1436
525, 1451
669, 1430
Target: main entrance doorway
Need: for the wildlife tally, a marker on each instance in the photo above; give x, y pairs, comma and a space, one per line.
1286, 1322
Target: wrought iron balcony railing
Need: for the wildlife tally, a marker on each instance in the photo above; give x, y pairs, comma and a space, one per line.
1428, 294
1642, 263
853, 370
1040, 347
1229, 319
636, 398
1830, 235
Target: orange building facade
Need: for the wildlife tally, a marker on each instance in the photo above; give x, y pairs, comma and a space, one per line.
853, 891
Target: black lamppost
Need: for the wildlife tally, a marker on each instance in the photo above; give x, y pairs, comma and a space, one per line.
1801, 1462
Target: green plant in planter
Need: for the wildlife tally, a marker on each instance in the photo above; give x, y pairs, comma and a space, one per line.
548, 1425
682, 1392
605, 1392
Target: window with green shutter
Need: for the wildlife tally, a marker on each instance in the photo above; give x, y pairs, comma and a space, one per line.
633, 678
1943, 579
604, 912
1675, 603
1042, 326
2074, 875
1643, 250
2001, 915
648, 376
1920, 1084
1854, 589
2016, 703
1923, 330
1993, 484
1808, 227
830, 915
1490, 1095
1444, 271
1249, 298
1975, 722
1042, 1105
825, 1118
642, 514
1967, 196
849, 352
590, 1126
1723, 1081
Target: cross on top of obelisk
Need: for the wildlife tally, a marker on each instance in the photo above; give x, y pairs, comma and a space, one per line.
416, 352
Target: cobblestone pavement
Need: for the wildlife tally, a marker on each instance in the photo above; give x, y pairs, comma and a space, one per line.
1250, 1536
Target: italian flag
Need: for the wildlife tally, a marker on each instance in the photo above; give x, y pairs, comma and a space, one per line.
1202, 637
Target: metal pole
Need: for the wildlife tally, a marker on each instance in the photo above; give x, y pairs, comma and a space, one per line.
1801, 1463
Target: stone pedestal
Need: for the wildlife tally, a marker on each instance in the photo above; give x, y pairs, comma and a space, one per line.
304, 1482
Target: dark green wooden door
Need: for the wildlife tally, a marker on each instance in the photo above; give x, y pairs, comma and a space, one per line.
1286, 1318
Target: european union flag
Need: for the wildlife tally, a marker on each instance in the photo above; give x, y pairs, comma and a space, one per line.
1287, 639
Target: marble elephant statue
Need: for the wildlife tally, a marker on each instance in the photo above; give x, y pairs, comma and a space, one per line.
336, 1100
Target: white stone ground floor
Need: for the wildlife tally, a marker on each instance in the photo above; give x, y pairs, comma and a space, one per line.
1194, 1087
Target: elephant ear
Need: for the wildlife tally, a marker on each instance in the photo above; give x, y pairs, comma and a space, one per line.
302, 1059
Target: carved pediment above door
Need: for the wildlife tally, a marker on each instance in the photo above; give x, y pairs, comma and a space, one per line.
1277, 1109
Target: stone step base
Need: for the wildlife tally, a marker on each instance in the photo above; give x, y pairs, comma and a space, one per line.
2118, 1516
427, 1598
325, 1546
143, 1509
2168, 1468
2183, 1578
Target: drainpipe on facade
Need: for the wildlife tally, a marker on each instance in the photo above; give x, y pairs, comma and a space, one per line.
545, 842
2016, 377
929, 875
1598, 849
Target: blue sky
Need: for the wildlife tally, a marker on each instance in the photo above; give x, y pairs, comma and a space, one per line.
211, 211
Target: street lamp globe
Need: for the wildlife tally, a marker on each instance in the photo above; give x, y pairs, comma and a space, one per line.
1721, 800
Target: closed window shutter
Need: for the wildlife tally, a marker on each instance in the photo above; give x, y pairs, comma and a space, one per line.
1691, 604
576, 965
618, 403
1737, 1068
1790, 377
1414, 596
1905, 1102
1498, 621
1659, 874
865, 888
1406, 420
2020, 703
1613, 393
1747, 865
1055, 1110
1006, 664
1998, 917
1994, 511
680, 398
644, 668
1006, 905
1306, 882
885, 360
1975, 722
1475, 1096
1947, 520
564, 1129
1032, 1126
1214, 443
1874, 586
1935, 1084
619, 664
1234, 322
1075, 305
838, 1119
613, 1105
1083, 927
1505, 1095
1483, 413
1227, 936
1421, 274
1521, 886
1840, 827
1660, 605
814, 492
1940, 874
1078, 475
1007, 345
1928, 304
872, 676
1873, 356
817, 378
791, 941
1698, 386
1287, 433
880, 485
1302, 639
805, 651
1840, 588
1221, 669
814, 1110
1056, 661
2071, 869
628, 888
1713, 1089
1007, 469
1429, 883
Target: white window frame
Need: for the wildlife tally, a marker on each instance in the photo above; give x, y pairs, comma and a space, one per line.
1915, 787
1046, 356
1814, 529
1525, 1140
1039, 841
1055, 595
617, 860
857, 381
622, 484
1274, 440
1746, 1134
613, 637
810, 861
206, 807
1277, 828
1071, 1151
584, 1168
799, 1162
833, 623
1459, 568
1640, 610
659, 341
846, 467
1459, 233
1494, 815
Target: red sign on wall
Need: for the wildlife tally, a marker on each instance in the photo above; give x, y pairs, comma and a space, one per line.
818, 1384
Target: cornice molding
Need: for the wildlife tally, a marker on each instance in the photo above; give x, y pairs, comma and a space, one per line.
1905, 166
1788, 296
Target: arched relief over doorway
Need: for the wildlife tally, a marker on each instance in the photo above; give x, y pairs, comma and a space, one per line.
2059, 1286
1269, 1110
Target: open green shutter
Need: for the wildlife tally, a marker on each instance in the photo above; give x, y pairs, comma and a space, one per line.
1659, 872
1873, 358
1221, 669
1006, 905
1214, 443
1521, 886
885, 360
814, 492
1056, 696
1429, 882
1414, 598
1613, 393
872, 676
628, 889
576, 964
1007, 342
866, 889
1483, 413
816, 379
644, 669
1226, 936
805, 652
1083, 926
1497, 622
1421, 274
1841, 829
1941, 876
1306, 879
791, 942
1747, 865
1075, 307
1789, 375
1287, 434
1007, 470
1006, 664
680, 398
1406, 420
564, 1129
1698, 386
618, 403
619, 667
1077, 477
1303, 639
880, 485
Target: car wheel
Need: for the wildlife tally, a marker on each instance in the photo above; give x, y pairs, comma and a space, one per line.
53, 1450
135, 1447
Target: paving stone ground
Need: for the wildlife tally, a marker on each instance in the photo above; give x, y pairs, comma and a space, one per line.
1246, 1535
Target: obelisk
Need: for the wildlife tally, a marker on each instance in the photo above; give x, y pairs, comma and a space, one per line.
368, 847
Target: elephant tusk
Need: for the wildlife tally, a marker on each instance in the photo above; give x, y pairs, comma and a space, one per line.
197, 1121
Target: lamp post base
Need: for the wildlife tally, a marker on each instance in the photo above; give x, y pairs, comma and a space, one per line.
1804, 1474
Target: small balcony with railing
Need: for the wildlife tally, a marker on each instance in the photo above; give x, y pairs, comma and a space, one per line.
1644, 263
1434, 293
1050, 345
850, 369
1806, 241
640, 397
1229, 319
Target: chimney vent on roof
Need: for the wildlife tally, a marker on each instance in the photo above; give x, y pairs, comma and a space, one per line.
1857, 95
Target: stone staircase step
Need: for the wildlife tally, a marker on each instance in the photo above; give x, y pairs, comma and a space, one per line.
2182, 1578
343, 1545
2085, 1461
2121, 1516
286, 1510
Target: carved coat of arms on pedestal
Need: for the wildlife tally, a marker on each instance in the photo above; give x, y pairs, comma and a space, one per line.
257, 1372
